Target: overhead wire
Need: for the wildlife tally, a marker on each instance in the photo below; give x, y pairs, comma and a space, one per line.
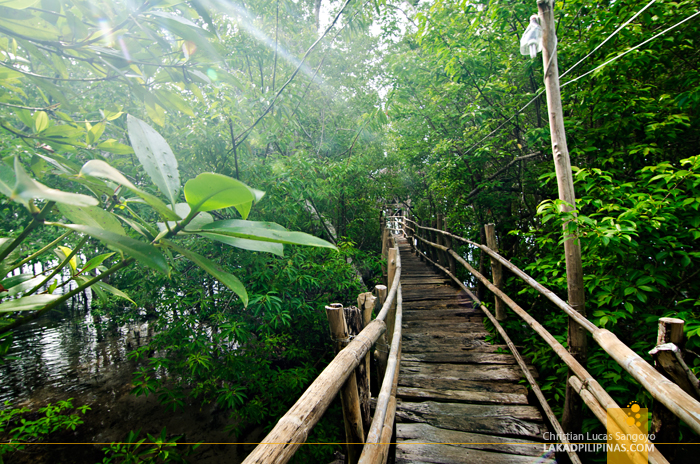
539, 93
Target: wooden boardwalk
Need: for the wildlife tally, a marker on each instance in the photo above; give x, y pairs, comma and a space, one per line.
459, 400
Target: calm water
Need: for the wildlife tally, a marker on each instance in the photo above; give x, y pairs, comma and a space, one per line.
65, 352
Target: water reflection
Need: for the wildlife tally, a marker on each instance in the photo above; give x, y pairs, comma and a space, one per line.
64, 352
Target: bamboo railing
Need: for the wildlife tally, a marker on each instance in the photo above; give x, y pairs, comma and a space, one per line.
292, 430
679, 402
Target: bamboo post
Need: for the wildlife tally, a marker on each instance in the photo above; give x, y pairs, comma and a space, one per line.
391, 264
349, 394
664, 424
365, 301
440, 239
381, 354
572, 249
496, 270
447, 239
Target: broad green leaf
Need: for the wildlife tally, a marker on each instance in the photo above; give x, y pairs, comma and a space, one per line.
92, 216
36, 28
266, 232
114, 291
94, 262
251, 245
7, 180
27, 189
18, 4
214, 270
98, 168
183, 210
156, 157
28, 303
6, 263
115, 147
209, 191
143, 252
20, 283
73, 261
41, 121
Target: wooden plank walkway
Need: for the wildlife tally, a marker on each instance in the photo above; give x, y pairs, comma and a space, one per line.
459, 400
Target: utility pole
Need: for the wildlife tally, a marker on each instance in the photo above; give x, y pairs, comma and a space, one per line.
571, 420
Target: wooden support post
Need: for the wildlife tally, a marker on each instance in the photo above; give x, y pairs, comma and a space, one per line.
664, 424
365, 301
496, 270
349, 394
433, 252
573, 416
480, 289
381, 354
447, 239
391, 271
440, 239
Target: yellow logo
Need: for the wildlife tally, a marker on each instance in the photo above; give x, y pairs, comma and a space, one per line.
628, 438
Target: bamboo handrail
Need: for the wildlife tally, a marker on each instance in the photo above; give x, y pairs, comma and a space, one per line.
383, 417
516, 354
663, 390
292, 430
581, 373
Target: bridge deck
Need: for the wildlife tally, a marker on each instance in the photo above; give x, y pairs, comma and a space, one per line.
459, 398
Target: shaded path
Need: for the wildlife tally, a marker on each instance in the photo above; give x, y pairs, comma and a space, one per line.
455, 387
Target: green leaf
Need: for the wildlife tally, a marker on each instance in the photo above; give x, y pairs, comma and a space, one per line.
28, 303
264, 231
98, 168
143, 252
156, 157
18, 4
183, 210
92, 216
20, 283
114, 291
251, 245
115, 147
209, 191
41, 121
94, 262
27, 189
214, 270
73, 261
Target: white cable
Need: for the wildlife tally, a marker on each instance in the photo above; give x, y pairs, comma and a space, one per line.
631, 49
609, 37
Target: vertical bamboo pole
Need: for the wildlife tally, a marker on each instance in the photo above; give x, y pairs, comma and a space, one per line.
381, 354
440, 240
391, 271
664, 424
480, 289
365, 302
572, 249
349, 395
450, 259
496, 270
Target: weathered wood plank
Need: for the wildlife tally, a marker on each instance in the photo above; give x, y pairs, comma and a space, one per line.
461, 385
411, 315
412, 433
460, 396
429, 331
464, 372
466, 357
507, 420
416, 453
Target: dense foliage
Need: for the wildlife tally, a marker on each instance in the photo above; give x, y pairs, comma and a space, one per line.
334, 109
471, 130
